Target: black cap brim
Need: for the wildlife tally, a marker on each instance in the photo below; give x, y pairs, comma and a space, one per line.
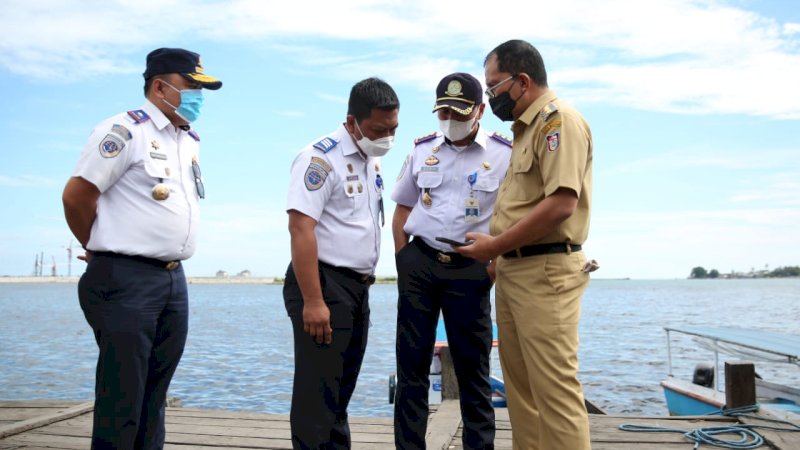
456, 105
206, 81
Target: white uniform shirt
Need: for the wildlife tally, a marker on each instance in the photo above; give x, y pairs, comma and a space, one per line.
125, 160
334, 184
442, 170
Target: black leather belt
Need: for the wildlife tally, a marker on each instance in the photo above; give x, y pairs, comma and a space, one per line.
169, 265
350, 273
542, 249
438, 255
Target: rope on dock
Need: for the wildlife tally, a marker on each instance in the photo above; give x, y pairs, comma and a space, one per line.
748, 438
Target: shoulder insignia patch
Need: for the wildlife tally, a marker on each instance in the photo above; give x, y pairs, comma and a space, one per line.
551, 125
316, 173
552, 141
111, 145
194, 135
425, 138
504, 139
139, 115
325, 146
548, 111
121, 131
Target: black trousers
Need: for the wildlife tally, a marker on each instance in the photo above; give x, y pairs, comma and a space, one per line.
325, 375
460, 289
140, 317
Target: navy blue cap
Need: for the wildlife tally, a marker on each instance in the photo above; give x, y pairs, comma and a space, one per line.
460, 92
177, 60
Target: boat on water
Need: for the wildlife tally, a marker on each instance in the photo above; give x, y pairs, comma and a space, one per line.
435, 390
496, 383
702, 395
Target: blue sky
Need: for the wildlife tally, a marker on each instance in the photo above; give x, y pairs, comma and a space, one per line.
694, 107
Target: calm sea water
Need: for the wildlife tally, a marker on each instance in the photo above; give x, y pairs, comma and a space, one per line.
239, 351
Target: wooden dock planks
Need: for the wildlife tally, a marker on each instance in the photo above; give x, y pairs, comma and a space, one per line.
62, 425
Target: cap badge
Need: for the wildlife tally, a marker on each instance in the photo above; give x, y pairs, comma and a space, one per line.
199, 68
454, 88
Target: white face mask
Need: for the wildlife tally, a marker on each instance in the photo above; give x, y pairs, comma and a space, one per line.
378, 147
455, 130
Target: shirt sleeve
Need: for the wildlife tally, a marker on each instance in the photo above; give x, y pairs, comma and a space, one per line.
563, 154
310, 183
106, 156
406, 191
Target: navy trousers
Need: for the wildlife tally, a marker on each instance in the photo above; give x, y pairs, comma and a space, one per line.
460, 290
325, 375
139, 314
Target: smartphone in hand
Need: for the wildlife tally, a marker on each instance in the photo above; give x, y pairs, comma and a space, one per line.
452, 242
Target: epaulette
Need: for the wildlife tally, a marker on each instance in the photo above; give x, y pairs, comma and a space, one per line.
326, 144
504, 139
425, 138
548, 111
139, 116
194, 135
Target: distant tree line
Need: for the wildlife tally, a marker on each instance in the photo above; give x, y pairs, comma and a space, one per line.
780, 272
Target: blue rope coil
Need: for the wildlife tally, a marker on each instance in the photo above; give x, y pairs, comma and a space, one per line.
747, 437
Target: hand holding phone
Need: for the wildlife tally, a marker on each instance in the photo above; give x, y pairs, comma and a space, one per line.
452, 242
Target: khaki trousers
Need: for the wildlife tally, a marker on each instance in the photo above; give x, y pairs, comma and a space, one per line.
538, 302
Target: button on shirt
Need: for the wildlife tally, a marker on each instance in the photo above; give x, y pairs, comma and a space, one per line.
125, 160
552, 149
341, 189
447, 184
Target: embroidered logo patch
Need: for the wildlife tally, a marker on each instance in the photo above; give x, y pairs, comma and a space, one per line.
111, 145
552, 141
316, 173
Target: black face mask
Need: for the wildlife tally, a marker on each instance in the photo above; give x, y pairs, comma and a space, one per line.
503, 106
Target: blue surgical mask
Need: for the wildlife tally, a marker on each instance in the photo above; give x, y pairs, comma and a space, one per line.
191, 102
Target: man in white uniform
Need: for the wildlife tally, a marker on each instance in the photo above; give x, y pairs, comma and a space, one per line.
335, 212
447, 187
132, 203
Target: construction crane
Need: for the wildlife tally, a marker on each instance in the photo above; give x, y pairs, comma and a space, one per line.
69, 258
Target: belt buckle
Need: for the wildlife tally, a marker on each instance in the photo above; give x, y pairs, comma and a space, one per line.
172, 265
442, 258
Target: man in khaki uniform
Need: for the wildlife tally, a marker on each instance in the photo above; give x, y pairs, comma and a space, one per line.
541, 218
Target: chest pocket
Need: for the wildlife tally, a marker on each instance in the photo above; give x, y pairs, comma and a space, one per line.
526, 182
487, 184
355, 191
159, 167
429, 180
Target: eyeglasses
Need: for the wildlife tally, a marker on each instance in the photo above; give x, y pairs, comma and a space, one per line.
490, 92
198, 181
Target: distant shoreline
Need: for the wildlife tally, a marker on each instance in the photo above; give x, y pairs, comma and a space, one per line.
190, 280
4, 279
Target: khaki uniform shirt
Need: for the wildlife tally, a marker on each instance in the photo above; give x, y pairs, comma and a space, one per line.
552, 149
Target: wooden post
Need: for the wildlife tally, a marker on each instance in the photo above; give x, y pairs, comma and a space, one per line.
740, 384
449, 381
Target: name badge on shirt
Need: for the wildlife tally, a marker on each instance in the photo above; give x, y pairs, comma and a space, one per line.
472, 210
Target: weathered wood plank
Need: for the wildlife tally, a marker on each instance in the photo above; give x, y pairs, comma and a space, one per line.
36, 422
443, 425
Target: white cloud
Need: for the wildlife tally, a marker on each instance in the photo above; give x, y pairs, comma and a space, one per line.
677, 160
27, 181
289, 113
680, 56
669, 244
